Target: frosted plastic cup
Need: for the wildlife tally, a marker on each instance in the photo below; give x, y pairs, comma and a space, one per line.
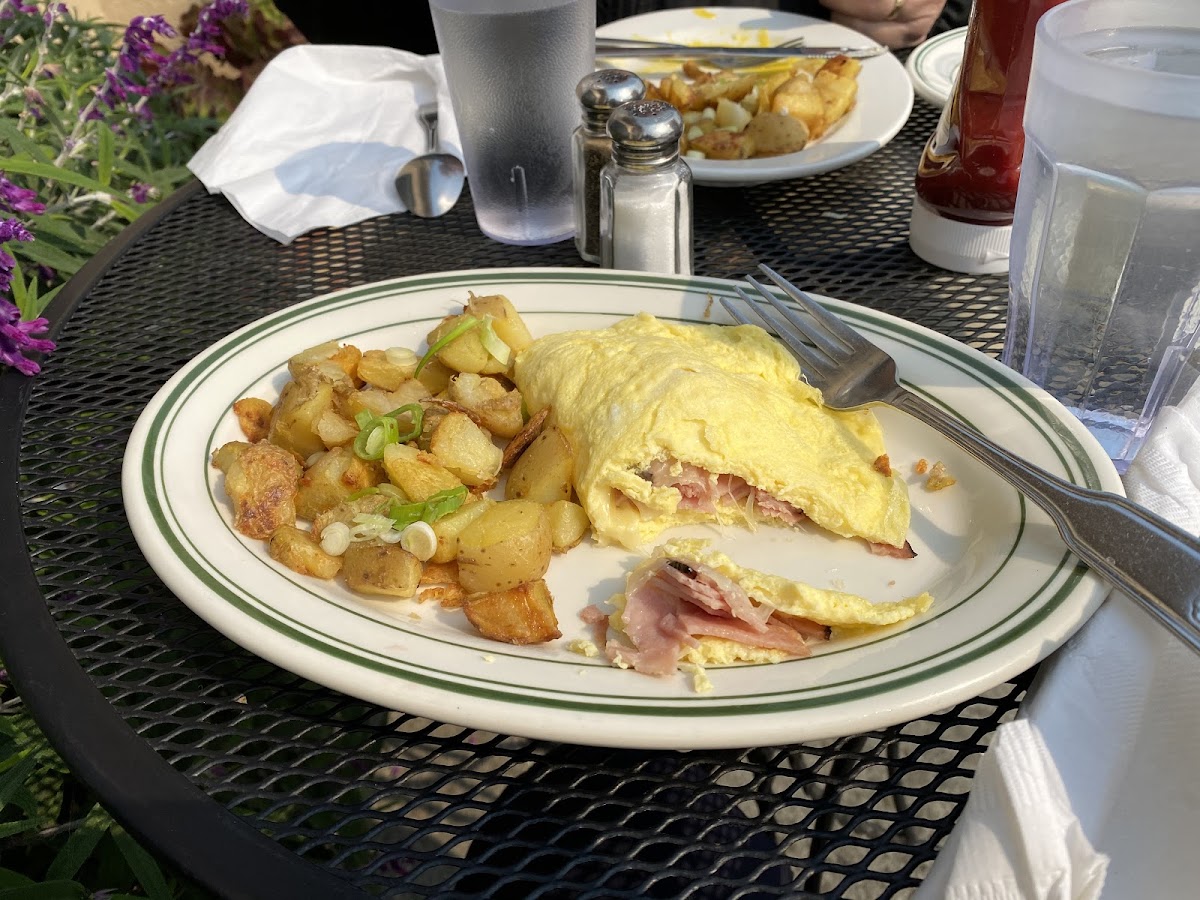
1104, 303
512, 67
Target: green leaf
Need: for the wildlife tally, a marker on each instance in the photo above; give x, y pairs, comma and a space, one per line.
44, 300
9, 878
47, 890
8, 829
27, 166
44, 254
79, 846
22, 143
12, 781
20, 297
124, 210
105, 160
142, 864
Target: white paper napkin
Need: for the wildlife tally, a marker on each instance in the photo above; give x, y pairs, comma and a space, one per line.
1099, 771
319, 137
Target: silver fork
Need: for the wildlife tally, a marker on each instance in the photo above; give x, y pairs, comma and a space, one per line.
1138, 552
727, 57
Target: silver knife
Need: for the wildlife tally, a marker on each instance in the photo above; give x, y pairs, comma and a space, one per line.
620, 47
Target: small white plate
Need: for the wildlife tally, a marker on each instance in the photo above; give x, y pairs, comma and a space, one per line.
934, 65
1006, 592
885, 96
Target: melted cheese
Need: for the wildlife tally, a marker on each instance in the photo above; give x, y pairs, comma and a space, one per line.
725, 399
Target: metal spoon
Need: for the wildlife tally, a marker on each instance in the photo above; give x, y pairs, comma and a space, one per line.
430, 184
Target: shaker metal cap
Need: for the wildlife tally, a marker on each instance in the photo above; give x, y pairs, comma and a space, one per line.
645, 124
608, 88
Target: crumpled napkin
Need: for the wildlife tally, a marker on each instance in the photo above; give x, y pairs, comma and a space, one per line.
1092, 791
320, 135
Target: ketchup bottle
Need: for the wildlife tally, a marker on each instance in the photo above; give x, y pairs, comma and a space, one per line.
967, 178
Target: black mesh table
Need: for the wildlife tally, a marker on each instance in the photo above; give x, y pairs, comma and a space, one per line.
261, 784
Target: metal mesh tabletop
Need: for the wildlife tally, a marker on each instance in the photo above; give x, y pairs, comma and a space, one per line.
260, 783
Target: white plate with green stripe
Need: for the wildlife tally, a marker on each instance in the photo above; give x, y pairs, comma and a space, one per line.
1006, 591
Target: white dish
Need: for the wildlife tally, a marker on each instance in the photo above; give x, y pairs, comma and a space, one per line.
933, 66
885, 96
1006, 591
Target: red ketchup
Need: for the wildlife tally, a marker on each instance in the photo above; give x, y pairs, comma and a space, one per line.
967, 178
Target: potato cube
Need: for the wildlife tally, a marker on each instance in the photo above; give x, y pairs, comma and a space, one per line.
331, 479
335, 430
379, 569
777, 133
223, 456
344, 357
262, 483
568, 524
419, 474
545, 471
301, 404
498, 408
300, 552
506, 321
508, 545
466, 449
387, 369
448, 528
254, 418
466, 352
520, 615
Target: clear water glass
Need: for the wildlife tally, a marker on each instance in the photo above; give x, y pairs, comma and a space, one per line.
512, 67
1104, 308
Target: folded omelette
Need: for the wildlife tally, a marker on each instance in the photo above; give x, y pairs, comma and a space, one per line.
674, 424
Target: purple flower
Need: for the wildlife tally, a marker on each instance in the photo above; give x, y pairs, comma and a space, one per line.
53, 11
10, 8
14, 198
18, 338
10, 230
141, 193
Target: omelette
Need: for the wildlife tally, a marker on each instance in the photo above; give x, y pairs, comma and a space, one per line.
688, 604
676, 424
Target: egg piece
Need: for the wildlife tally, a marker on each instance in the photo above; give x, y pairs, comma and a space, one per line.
719, 400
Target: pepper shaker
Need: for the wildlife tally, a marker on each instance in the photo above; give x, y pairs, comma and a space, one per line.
646, 192
599, 94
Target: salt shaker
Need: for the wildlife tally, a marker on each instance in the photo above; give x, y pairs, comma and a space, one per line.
599, 94
646, 192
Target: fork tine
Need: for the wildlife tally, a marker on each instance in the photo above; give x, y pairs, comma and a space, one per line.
813, 364
829, 322
812, 331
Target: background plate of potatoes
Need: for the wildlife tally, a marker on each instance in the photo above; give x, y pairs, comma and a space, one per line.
781, 119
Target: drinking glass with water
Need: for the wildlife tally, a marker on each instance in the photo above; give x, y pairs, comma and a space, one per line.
1105, 277
512, 67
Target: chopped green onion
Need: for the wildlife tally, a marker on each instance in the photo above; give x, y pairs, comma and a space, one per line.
363, 418
443, 503
493, 343
453, 334
365, 492
376, 435
404, 514
417, 412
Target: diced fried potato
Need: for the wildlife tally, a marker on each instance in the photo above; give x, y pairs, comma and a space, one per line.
439, 573
330, 480
776, 133
466, 450
731, 115
223, 456
837, 93
447, 596
568, 524
506, 321
730, 87
721, 144
262, 482
387, 369
509, 544
379, 569
417, 473
498, 408
254, 418
379, 403
545, 471
335, 430
345, 357
521, 441
301, 404
436, 376
448, 528
298, 550
798, 98
523, 614
466, 352
841, 67
344, 512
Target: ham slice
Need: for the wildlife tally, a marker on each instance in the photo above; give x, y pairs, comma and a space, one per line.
701, 490
670, 603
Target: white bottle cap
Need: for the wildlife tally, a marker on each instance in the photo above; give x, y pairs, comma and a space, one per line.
958, 246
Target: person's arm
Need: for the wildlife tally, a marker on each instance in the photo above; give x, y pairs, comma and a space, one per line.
895, 23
